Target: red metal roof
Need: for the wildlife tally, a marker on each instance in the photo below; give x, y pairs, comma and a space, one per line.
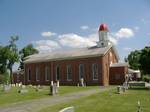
103, 27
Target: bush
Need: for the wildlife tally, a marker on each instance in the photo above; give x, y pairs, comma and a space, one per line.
4, 78
146, 77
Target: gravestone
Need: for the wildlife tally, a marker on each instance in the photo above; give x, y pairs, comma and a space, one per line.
139, 109
78, 84
52, 83
58, 83
82, 82
123, 89
68, 109
6, 88
30, 85
12, 85
53, 89
52, 92
17, 84
125, 85
119, 89
20, 84
23, 89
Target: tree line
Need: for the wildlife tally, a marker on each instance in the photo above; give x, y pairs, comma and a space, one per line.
9, 55
140, 60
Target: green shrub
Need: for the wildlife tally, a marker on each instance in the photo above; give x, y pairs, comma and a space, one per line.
4, 78
146, 77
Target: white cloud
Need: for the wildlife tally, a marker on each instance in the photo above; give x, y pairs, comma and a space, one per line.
75, 41
93, 37
46, 45
113, 39
48, 34
85, 27
127, 49
124, 33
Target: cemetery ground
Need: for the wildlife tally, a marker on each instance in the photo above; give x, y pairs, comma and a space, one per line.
12, 96
83, 99
109, 101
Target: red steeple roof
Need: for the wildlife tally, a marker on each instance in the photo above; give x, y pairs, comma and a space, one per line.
103, 27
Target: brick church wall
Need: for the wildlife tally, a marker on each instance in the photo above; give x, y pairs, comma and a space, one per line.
117, 75
87, 62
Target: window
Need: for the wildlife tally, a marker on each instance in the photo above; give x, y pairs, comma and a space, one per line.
57, 72
37, 74
95, 71
29, 74
81, 71
69, 73
47, 75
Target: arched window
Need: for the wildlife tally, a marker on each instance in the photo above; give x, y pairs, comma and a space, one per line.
57, 72
95, 71
81, 71
37, 73
47, 73
29, 74
69, 73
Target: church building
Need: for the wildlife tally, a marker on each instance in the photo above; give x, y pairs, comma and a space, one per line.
96, 65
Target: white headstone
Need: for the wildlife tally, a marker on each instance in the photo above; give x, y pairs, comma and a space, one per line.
58, 83
52, 83
82, 81
68, 109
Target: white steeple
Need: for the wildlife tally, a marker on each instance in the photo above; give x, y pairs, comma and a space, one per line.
103, 36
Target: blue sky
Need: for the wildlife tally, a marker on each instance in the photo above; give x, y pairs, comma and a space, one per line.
60, 24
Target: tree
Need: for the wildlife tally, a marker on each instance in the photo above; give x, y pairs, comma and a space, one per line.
8, 56
133, 59
3, 59
145, 60
140, 59
3, 65
26, 51
12, 54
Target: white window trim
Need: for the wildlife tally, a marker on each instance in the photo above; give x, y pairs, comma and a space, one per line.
93, 71
47, 73
68, 74
80, 72
37, 73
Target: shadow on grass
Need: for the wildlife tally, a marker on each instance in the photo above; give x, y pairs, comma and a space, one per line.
138, 88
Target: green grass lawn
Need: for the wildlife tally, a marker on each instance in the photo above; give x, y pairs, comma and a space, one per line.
13, 96
109, 101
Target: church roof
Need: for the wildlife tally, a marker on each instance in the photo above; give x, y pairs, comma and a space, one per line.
70, 54
120, 64
103, 27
